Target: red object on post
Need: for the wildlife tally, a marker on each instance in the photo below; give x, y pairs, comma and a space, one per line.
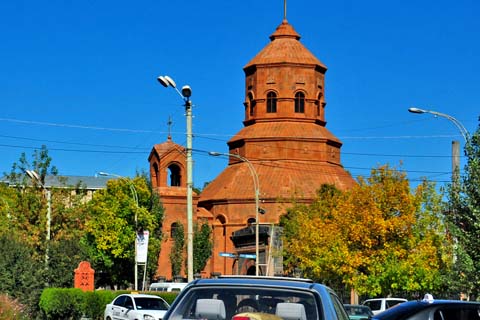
84, 277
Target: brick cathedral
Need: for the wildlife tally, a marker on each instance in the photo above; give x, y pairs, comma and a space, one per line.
284, 138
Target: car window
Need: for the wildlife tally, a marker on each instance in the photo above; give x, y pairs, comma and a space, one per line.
120, 301
339, 309
457, 313
391, 303
374, 304
225, 303
147, 303
128, 303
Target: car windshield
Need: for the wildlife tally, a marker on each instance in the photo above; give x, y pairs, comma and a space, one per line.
223, 303
358, 310
146, 303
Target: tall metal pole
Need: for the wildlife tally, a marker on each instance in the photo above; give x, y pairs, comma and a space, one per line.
188, 112
185, 94
256, 185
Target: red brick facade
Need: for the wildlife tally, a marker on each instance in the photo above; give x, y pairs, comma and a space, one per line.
284, 138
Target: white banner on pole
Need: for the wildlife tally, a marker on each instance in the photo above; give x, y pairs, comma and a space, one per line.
142, 246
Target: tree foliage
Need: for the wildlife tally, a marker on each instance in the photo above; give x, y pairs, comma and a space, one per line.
113, 219
176, 253
464, 218
21, 276
378, 237
202, 246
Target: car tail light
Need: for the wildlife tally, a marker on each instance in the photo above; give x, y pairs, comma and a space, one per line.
241, 318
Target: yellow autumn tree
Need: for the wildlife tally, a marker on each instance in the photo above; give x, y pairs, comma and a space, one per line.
378, 238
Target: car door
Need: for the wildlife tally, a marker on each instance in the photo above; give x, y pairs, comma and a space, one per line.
121, 306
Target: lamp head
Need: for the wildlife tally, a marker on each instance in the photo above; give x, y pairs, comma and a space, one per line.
166, 81
162, 81
214, 153
416, 110
186, 91
33, 175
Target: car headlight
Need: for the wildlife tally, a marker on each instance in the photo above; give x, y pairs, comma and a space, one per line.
148, 317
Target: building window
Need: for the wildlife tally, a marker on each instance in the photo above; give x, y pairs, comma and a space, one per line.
155, 180
175, 176
173, 229
271, 102
251, 104
299, 102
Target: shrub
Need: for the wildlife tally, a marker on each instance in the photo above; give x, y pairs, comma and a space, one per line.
62, 303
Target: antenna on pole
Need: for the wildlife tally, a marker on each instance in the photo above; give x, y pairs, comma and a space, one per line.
284, 9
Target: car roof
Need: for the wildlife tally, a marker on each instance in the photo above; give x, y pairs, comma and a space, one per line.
260, 281
140, 295
391, 298
411, 307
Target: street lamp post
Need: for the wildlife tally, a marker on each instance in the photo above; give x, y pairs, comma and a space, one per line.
458, 124
33, 175
455, 144
256, 186
185, 94
135, 198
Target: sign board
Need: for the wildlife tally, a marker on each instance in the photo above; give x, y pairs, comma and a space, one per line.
247, 256
142, 246
228, 255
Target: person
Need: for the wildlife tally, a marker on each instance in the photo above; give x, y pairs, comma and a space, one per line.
247, 305
230, 302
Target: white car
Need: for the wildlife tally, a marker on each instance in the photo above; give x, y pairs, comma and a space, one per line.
136, 307
381, 304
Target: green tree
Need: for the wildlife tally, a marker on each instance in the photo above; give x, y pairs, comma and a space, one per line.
176, 253
111, 228
202, 246
27, 211
378, 237
21, 275
41, 163
463, 214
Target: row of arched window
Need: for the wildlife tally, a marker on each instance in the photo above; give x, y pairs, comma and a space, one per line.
299, 106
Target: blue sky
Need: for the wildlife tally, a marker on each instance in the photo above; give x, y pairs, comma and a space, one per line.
80, 77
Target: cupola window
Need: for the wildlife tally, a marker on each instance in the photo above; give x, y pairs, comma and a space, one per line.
299, 102
271, 102
175, 176
251, 104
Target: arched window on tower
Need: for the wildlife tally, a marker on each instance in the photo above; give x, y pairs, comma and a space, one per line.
175, 175
156, 181
320, 105
271, 102
299, 102
251, 104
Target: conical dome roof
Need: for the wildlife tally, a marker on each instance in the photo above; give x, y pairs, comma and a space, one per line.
285, 47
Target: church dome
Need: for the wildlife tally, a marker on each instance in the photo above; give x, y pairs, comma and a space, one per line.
285, 47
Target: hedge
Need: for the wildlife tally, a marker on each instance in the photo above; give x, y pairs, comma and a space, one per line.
75, 304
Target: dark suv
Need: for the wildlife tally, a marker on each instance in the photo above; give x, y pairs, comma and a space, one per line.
256, 298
